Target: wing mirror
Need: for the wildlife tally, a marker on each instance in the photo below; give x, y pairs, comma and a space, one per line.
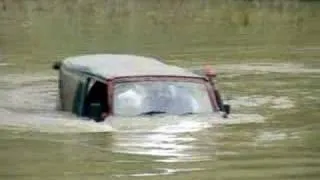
56, 65
226, 109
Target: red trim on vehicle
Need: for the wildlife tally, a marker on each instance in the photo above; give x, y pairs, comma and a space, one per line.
165, 76
153, 78
110, 97
213, 98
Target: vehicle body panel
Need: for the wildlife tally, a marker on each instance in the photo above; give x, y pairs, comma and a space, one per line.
109, 66
76, 75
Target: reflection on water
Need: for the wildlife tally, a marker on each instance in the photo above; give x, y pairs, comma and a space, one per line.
162, 172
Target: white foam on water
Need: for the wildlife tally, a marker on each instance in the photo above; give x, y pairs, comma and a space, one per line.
168, 171
312, 97
156, 141
21, 79
50, 123
282, 103
197, 158
267, 138
174, 138
277, 102
157, 136
154, 144
183, 127
4, 64
238, 118
266, 68
249, 101
180, 124
159, 124
29, 104
37, 97
161, 172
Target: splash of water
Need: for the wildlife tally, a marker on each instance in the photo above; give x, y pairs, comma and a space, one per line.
29, 104
49, 123
281, 102
4, 64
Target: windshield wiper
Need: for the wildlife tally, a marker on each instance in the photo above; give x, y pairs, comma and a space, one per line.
153, 112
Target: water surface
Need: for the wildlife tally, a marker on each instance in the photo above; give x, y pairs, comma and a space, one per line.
268, 69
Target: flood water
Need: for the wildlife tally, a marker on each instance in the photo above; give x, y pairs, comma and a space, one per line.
268, 71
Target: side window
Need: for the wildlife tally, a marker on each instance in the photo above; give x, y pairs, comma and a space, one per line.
79, 97
96, 101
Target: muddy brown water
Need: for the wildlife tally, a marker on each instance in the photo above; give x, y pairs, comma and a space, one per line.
270, 79
267, 136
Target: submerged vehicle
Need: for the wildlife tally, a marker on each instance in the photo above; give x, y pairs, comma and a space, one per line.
97, 86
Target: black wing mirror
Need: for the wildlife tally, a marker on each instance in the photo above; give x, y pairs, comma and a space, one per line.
226, 109
56, 65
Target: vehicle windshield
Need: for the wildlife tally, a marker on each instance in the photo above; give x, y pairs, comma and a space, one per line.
157, 97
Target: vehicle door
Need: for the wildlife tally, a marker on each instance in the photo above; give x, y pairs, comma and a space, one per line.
80, 94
